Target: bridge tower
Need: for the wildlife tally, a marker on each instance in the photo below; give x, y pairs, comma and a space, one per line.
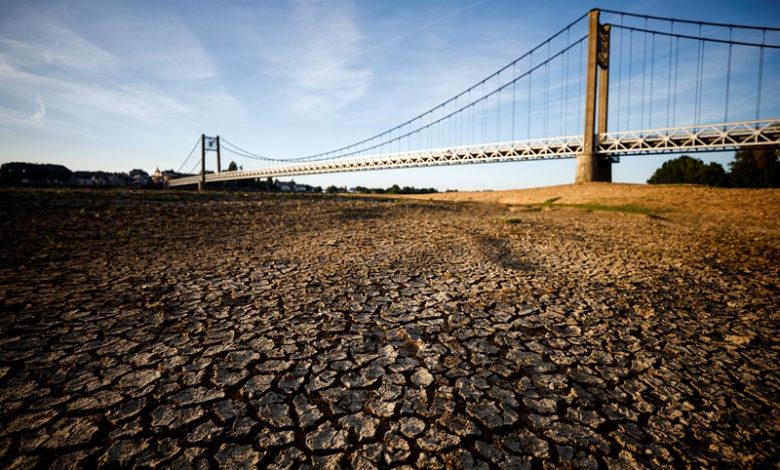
590, 165
206, 144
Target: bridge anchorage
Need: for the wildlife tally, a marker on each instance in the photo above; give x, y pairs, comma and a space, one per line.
595, 91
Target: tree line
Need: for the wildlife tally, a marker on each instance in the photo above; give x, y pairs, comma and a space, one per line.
754, 167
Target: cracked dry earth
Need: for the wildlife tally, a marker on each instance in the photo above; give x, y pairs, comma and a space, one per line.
232, 331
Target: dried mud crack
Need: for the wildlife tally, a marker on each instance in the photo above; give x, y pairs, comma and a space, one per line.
145, 329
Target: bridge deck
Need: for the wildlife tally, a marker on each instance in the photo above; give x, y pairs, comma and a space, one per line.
715, 137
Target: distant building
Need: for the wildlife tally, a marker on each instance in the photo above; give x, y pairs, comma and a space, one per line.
293, 187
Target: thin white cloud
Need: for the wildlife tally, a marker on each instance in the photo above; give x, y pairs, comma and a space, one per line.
40, 109
165, 48
40, 57
322, 39
43, 41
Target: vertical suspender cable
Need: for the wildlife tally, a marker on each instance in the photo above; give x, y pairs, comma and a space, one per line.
580, 103
566, 84
652, 81
498, 110
701, 78
760, 76
469, 120
547, 92
630, 76
728, 80
530, 89
644, 76
484, 114
514, 95
676, 70
620, 73
669, 77
454, 128
546, 98
698, 79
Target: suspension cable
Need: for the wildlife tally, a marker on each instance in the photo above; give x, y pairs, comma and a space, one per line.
479, 100
445, 103
192, 170
189, 156
705, 23
699, 38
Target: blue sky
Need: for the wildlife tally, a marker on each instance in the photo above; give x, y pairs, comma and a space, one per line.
116, 85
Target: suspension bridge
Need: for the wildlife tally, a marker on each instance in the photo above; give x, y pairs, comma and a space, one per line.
607, 85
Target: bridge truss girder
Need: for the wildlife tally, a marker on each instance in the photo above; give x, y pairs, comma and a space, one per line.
712, 137
708, 138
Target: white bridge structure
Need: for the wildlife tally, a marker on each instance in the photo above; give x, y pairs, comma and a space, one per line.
670, 78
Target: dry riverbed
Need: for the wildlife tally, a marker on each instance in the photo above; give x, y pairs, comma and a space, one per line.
242, 330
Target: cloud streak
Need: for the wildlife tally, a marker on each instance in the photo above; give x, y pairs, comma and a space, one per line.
323, 37
40, 57
40, 109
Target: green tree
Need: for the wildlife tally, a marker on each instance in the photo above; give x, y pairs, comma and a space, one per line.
688, 170
394, 189
756, 167
15, 173
232, 167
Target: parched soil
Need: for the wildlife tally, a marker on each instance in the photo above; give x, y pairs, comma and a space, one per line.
757, 208
234, 330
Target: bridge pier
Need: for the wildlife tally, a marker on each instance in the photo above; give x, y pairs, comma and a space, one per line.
590, 165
